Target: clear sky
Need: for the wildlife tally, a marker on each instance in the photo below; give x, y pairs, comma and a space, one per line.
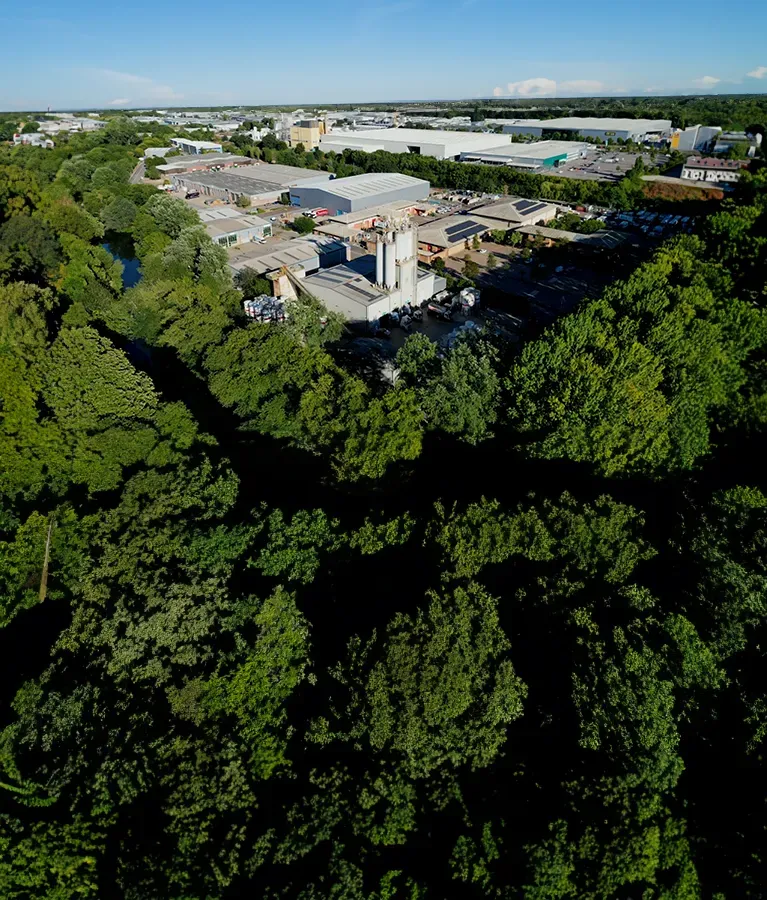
92, 54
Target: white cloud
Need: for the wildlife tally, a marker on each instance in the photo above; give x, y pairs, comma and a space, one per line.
706, 81
581, 86
758, 72
121, 101
532, 87
547, 87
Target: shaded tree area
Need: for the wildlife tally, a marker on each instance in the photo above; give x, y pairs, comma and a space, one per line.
492, 632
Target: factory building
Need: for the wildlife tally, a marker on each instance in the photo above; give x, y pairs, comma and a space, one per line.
260, 183
696, 137
307, 132
310, 254
372, 286
358, 192
352, 226
507, 214
193, 147
422, 141
528, 156
713, 170
198, 162
227, 227
447, 237
603, 129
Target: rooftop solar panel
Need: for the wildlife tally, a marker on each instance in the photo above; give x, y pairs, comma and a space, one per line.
459, 227
536, 208
472, 229
523, 205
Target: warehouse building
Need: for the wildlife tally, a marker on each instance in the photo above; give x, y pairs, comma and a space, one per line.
696, 137
421, 141
190, 147
507, 214
528, 156
310, 253
345, 195
371, 286
197, 162
713, 170
447, 237
603, 129
260, 183
229, 228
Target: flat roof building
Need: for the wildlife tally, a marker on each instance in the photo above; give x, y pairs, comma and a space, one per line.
229, 227
347, 195
601, 128
528, 156
197, 161
422, 141
713, 170
187, 146
262, 183
310, 253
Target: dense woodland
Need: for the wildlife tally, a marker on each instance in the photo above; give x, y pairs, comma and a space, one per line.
272, 628
729, 111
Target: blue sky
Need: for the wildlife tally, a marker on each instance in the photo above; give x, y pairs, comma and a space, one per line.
87, 54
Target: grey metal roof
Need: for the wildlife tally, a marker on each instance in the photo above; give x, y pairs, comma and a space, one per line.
450, 231
204, 159
360, 186
537, 150
283, 175
228, 181
593, 123
515, 210
267, 258
234, 224
345, 282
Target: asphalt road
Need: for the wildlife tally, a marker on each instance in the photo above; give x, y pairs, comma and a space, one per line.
137, 174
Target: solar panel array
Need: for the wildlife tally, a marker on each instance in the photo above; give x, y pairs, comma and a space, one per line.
460, 233
528, 207
463, 230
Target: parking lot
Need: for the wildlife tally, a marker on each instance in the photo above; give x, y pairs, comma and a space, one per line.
607, 165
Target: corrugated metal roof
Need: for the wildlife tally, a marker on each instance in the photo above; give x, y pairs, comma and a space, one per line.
358, 186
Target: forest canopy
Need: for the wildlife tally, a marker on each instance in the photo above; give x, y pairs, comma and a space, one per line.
273, 628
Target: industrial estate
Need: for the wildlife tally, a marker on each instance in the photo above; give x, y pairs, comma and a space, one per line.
383, 507
378, 247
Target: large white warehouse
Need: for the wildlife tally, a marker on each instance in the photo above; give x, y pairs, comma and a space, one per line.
590, 126
528, 156
346, 195
423, 141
